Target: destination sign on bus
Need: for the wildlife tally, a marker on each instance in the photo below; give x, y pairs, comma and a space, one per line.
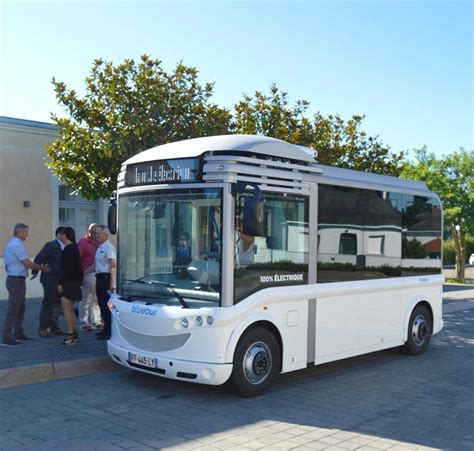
163, 171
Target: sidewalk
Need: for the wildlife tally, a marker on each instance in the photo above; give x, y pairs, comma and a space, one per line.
44, 359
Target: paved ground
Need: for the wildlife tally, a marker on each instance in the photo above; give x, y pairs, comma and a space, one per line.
44, 359
41, 350
384, 400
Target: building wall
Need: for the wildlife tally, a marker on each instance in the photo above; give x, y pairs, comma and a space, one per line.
25, 177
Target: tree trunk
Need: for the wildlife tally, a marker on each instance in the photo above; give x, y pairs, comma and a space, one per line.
460, 249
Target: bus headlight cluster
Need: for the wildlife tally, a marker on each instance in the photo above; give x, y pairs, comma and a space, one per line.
198, 321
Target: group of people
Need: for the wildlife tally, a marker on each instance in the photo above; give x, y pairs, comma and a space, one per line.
70, 272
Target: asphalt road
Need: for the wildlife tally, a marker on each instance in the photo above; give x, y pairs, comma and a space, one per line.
384, 400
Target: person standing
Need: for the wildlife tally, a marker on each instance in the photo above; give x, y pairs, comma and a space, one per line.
70, 283
17, 264
105, 269
50, 254
90, 312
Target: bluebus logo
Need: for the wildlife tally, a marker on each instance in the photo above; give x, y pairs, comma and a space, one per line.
144, 310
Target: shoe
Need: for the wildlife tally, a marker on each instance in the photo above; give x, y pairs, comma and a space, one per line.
103, 336
44, 333
23, 337
86, 327
10, 342
58, 332
99, 326
71, 340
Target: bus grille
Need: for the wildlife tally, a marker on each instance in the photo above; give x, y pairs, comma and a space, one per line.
153, 343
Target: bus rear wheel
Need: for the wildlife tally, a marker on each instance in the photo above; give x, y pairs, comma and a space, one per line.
420, 328
256, 362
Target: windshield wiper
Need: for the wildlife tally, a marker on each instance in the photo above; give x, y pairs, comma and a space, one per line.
139, 296
170, 287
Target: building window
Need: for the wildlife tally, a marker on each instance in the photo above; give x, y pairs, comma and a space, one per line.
75, 211
348, 244
376, 245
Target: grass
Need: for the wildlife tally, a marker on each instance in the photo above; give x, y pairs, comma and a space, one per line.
460, 281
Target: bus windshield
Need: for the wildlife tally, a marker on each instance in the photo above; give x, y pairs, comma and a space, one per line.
170, 247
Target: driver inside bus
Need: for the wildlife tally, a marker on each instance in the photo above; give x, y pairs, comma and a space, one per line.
183, 252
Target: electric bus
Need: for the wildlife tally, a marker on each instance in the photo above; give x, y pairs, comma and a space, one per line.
240, 257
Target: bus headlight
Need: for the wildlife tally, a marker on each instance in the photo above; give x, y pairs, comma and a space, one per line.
198, 320
185, 323
210, 320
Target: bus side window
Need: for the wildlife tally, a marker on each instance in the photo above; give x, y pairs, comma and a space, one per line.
280, 256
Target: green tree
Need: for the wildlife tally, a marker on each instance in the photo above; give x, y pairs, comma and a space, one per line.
126, 109
336, 142
452, 178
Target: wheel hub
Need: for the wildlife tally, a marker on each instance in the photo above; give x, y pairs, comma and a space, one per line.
257, 363
419, 330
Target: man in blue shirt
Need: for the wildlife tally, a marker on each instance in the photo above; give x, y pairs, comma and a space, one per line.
17, 264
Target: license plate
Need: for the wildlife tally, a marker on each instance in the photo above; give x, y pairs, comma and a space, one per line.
143, 360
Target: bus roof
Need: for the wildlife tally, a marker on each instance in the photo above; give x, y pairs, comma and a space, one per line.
263, 145
341, 175
251, 144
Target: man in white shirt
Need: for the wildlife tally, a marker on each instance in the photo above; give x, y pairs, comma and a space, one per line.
17, 264
105, 273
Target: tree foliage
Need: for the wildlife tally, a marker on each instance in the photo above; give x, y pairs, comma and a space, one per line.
126, 109
336, 142
452, 178
134, 106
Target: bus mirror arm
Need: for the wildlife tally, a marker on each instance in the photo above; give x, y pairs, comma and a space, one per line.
112, 213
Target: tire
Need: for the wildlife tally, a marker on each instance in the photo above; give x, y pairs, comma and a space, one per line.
256, 362
420, 328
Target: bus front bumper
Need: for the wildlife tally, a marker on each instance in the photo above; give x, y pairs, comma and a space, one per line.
181, 370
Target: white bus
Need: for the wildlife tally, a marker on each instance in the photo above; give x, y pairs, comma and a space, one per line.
240, 257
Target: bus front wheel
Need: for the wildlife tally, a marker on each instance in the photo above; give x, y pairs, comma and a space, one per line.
420, 328
256, 362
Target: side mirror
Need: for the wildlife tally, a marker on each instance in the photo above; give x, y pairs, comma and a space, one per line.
254, 215
112, 214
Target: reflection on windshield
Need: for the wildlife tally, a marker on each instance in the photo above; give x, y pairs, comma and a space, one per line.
172, 239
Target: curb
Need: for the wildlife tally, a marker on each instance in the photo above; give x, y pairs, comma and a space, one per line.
45, 372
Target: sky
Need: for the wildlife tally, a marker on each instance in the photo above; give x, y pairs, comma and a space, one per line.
406, 65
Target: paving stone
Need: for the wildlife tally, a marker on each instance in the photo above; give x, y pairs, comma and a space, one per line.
369, 402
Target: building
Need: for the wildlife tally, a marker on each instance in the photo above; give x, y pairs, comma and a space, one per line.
30, 193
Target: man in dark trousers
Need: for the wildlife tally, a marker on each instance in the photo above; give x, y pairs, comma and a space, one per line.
105, 273
50, 255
